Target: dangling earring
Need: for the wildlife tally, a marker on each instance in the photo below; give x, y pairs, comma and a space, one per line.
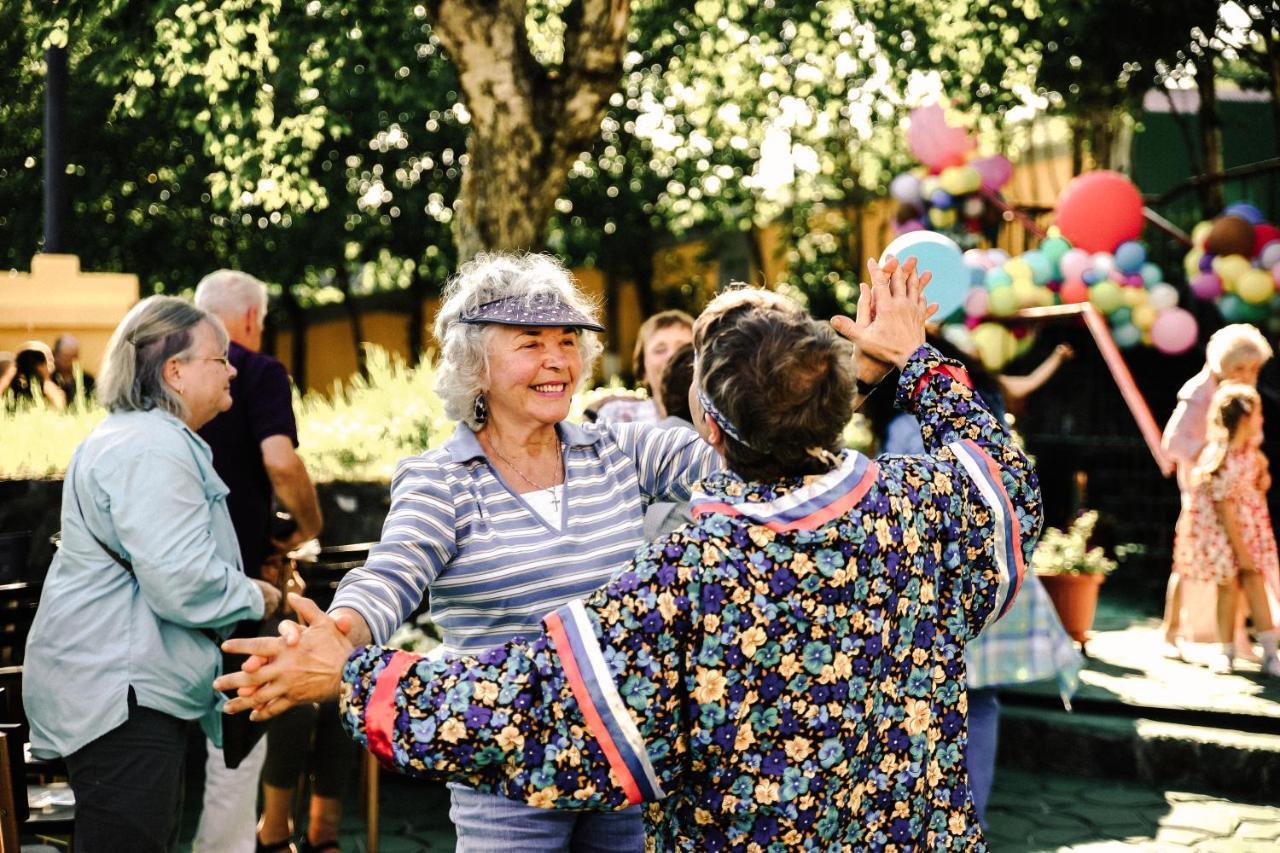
480, 409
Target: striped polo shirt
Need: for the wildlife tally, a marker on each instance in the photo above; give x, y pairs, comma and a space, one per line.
495, 567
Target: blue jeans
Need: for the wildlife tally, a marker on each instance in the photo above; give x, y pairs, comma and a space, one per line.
489, 823
984, 737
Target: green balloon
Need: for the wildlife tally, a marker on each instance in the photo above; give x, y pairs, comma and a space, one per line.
1002, 301
997, 277
1236, 310
1053, 249
1127, 335
1106, 296
1120, 317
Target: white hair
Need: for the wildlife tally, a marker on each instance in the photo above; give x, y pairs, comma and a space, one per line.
231, 293
463, 367
155, 330
1234, 344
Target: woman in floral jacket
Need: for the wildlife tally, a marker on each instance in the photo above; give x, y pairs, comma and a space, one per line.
788, 670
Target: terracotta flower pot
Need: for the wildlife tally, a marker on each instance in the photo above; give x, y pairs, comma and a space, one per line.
1075, 597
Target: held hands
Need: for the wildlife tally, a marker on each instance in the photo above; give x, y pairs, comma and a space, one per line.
303, 664
891, 316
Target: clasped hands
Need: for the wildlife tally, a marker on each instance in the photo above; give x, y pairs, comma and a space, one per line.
890, 321
303, 664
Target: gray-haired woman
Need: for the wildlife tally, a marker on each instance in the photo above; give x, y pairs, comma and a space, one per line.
125, 641
520, 511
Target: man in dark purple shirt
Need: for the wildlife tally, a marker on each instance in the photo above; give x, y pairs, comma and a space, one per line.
254, 452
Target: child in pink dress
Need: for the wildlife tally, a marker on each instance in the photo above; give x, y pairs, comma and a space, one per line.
1225, 537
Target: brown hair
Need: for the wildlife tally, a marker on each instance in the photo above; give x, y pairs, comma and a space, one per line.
782, 379
677, 376
661, 320
1232, 403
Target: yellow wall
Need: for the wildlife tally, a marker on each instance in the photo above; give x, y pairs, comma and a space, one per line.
56, 298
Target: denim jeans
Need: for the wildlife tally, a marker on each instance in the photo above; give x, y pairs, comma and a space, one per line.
489, 823
984, 737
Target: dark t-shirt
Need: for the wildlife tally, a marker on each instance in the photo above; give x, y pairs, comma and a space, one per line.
261, 406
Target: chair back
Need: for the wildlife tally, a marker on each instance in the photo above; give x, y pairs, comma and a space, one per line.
18, 602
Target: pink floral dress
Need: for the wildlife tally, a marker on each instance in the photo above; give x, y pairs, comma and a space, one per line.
1201, 550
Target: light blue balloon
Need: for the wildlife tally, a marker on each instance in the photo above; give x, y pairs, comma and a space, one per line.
1130, 256
940, 256
1127, 336
1151, 274
998, 277
1041, 267
1120, 317
977, 275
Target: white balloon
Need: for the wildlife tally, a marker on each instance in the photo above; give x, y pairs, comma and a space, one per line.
1161, 296
1104, 262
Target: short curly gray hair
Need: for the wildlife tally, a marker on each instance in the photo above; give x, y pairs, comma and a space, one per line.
463, 367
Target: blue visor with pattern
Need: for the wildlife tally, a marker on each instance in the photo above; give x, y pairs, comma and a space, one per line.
544, 309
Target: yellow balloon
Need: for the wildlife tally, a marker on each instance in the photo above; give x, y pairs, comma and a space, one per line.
1027, 293
1191, 263
1002, 301
996, 345
1143, 316
1134, 296
1200, 234
1018, 268
960, 180
1229, 268
940, 218
1255, 286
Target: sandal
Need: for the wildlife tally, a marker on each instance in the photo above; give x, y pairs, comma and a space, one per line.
325, 847
285, 846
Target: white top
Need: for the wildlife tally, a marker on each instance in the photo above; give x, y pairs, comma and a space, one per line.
546, 503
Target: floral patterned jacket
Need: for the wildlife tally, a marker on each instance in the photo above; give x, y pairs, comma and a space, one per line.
785, 672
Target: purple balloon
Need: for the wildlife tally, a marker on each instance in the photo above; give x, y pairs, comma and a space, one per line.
1206, 285
1248, 212
1206, 262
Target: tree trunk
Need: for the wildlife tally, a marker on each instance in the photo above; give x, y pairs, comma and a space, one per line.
528, 122
353, 317
1210, 134
417, 315
1184, 130
298, 349
1077, 146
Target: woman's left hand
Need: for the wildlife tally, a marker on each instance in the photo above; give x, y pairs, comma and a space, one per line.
301, 665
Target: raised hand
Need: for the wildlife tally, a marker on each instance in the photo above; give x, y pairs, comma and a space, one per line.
891, 316
301, 665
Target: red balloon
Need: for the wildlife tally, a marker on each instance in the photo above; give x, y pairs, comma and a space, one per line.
1263, 234
1100, 210
1074, 291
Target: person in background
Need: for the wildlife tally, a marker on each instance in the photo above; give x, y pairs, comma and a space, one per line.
145, 585
7, 371
33, 377
1234, 353
1029, 644
784, 673
1225, 537
662, 517
66, 357
659, 337
254, 451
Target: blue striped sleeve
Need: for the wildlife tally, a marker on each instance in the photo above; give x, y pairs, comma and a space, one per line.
418, 539
668, 461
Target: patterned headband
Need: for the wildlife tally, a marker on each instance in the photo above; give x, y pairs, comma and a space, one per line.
721, 421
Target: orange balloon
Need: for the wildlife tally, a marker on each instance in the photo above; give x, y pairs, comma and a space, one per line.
1074, 291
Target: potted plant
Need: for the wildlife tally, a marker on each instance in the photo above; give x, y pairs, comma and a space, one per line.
1071, 572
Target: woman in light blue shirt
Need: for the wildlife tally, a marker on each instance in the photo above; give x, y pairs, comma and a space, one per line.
147, 581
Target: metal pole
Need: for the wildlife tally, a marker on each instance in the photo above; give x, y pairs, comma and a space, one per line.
57, 207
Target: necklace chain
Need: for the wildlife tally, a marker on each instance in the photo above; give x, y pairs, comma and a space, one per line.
522, 474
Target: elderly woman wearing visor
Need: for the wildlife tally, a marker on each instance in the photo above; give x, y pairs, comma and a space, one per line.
520, 511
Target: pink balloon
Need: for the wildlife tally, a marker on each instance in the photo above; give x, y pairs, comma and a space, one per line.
1206, 285
995, 171
975, 302
1174, 331
1073, 263
934, 142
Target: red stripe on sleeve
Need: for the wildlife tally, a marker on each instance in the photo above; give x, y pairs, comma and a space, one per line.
380, 713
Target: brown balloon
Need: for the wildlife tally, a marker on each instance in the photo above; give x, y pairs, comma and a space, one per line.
1230, 235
